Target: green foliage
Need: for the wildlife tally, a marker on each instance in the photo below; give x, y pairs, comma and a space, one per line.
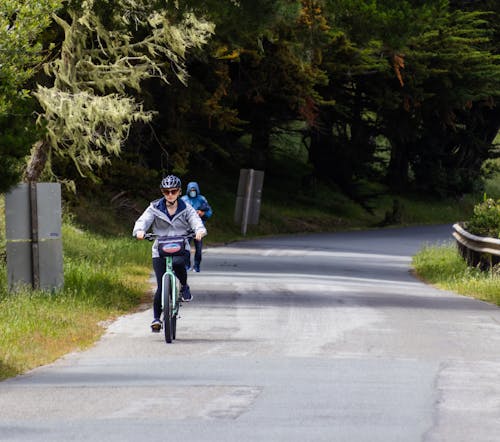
490, 172
17, 133
448, 81
106, 51
492, 186
422, 75
490, 168
87, 127
21, 24
485, 220
256, 75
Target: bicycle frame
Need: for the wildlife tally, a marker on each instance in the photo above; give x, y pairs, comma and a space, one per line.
170, 302
169, 297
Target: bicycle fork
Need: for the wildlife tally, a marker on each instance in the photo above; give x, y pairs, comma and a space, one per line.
169, 275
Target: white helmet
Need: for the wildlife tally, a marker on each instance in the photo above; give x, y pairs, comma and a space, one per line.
170, 182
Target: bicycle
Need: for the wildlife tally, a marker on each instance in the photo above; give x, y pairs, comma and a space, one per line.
170, 299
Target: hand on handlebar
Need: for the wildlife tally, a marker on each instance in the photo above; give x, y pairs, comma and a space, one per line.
140, 234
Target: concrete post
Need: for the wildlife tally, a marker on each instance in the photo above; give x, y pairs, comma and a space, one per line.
33, 235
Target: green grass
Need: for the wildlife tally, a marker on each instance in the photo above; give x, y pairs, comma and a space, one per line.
39, 327
442, 266
103, 278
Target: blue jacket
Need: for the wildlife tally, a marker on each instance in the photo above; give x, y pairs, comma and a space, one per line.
199, 202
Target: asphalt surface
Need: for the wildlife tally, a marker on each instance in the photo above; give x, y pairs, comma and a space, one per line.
323, 337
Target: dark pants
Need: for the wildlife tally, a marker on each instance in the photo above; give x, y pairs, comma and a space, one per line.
159, 267
198, 245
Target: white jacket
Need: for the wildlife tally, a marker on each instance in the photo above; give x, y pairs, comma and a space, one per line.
154, 218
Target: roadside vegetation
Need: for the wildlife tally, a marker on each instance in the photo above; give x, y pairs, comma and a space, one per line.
442, 266
107, 273
104, 277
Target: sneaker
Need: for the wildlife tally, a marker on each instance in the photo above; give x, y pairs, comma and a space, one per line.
186, 293
156, 326
196, 268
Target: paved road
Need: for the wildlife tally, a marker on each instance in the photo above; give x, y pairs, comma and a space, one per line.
322, 337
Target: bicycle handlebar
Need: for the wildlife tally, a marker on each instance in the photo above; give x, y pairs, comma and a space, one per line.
153, 236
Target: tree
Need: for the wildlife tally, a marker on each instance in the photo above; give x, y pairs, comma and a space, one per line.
109, 48
448, 86
256, 76
343, 135
21, 53
420, 74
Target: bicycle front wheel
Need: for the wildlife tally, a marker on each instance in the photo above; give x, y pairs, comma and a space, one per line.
168, 319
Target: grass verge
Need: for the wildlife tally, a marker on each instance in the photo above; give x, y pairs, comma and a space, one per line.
104, 277
442, 266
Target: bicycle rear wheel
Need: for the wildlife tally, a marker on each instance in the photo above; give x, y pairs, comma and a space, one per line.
168, 319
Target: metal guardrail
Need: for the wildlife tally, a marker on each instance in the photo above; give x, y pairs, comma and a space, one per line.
477, 251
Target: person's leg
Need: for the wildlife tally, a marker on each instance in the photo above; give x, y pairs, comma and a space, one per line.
159, 267
197, 254
188, 259
179, 265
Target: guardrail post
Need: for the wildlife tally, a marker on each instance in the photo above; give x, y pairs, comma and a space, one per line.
477, 251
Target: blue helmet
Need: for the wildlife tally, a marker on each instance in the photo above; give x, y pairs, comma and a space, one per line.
170, 182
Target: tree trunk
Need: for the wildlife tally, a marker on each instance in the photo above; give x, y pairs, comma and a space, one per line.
397, 171
321, 149
260, 147
329, 158
37, 161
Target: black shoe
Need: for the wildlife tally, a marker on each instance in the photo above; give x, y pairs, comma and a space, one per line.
196, 268
186, 293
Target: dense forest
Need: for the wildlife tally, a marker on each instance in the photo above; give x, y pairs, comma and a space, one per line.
118, 92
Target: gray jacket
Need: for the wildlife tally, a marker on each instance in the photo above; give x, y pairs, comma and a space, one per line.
154, 218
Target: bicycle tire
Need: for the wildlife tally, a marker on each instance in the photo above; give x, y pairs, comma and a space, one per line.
174, 326
167, 311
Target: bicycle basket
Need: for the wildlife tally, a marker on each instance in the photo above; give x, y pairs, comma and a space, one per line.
171, 246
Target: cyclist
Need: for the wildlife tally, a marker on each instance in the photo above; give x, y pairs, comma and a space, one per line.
200, 203
169, 216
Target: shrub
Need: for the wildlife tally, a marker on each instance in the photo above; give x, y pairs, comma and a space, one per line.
485, 220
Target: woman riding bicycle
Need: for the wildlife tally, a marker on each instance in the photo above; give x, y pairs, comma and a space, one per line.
169, 216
